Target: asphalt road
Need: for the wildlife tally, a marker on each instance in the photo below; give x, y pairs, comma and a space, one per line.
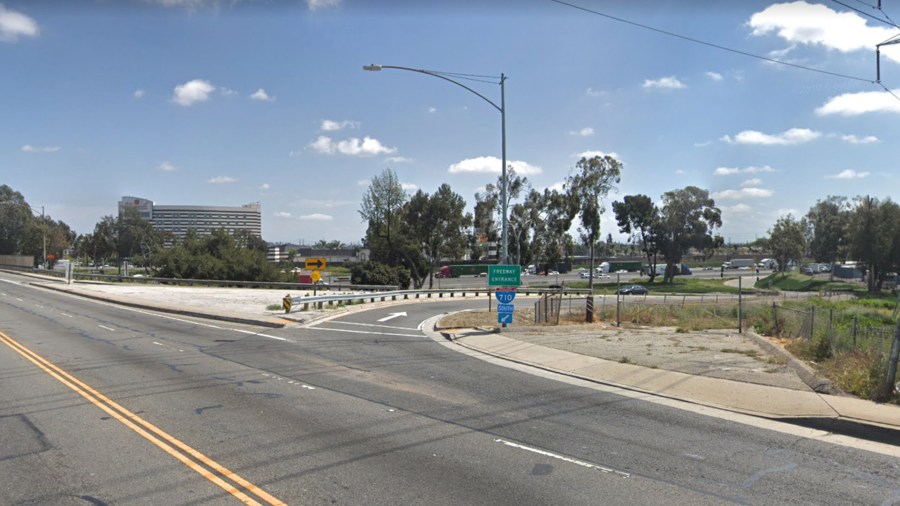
105, 405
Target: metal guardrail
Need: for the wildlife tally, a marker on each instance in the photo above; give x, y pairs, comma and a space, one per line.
292, 303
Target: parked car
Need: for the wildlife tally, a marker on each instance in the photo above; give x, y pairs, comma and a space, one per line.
632, 290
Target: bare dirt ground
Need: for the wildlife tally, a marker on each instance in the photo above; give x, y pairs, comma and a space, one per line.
724, 354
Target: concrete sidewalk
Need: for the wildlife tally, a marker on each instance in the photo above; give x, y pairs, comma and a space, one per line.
249, 306
749, 398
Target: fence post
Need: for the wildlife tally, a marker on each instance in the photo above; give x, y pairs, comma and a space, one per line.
812, 324
855, 328
740, 306
895, 354
775, 319
831, 329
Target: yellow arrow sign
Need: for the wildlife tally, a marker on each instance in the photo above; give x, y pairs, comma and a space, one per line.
315, 263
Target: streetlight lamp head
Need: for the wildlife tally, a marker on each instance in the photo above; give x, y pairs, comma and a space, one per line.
372, 67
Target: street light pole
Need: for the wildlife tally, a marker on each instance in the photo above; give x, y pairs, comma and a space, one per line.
504, 230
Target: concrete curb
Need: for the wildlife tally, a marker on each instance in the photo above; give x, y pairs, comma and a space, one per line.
163, 309
803, 371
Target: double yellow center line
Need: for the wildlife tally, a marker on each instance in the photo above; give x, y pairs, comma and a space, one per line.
238, 487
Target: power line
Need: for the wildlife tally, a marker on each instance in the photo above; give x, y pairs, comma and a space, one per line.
887, 21
710, 44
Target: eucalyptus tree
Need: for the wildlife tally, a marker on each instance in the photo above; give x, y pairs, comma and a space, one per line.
491, 204
437, 224
874, 236
381, 207
551, 213
594, 178
828, 221
638, 217
787, 241
15, 214
687, 219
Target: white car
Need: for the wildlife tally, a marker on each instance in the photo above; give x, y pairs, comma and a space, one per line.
553, 273
584, 275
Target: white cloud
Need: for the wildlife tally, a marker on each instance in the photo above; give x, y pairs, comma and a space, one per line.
715, 76
853, 139
315, 5
665, 83
753, 182
316, 217
139, 93
14, 24
818, 25
432, 110
222, 180
736, 209
398, 159
591, 154
559, 186
363, 182
167, 167
333, 126
265, 186
350, 147
584, 132
743, 193
854, 104
788, 137
727, 171
848, 174
410, 187
28, 148
227, 92
191, 92
262, 96
491, 165
281, 214
591, 92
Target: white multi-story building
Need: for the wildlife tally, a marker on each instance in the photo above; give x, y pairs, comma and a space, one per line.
202, 219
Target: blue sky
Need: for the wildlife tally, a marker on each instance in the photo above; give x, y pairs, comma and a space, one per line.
232, 102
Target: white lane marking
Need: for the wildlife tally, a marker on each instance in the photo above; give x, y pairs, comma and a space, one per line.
372, 325
391, 316
563, 458
20, 300
366, 332
39, 306
107, 328
66, 315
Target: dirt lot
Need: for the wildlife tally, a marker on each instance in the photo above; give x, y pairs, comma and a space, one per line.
716, 353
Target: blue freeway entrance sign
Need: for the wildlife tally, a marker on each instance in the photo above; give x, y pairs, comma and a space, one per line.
504, 318
504, 275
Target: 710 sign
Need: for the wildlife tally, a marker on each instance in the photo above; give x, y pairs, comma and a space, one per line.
505, 296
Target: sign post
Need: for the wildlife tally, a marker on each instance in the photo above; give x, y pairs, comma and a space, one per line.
506, 278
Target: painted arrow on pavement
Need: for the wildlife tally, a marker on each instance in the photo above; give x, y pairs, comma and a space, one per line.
392, 316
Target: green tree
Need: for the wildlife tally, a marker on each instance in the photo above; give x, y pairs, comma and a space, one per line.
381, 208
551, 213
593, 180
437, 223
687, 220
638, 217
873, 235
787, 241
492, 204
828, 221
15, 214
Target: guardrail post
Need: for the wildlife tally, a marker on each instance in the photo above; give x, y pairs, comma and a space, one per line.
895, 356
